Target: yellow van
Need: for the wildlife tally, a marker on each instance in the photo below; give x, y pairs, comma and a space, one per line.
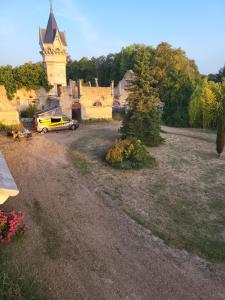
45, 124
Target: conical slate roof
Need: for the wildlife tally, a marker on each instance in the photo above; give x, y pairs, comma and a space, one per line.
48, 35
51, 29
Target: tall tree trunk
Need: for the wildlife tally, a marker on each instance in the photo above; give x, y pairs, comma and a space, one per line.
220, 141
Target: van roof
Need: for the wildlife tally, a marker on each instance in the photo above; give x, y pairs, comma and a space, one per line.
51, 117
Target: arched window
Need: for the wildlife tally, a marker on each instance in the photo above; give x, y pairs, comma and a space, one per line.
97, 104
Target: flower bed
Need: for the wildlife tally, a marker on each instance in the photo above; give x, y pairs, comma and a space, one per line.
11, 226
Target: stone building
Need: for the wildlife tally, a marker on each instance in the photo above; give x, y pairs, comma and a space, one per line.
25, 97
121, 91
84, 102
8, 113
91, 102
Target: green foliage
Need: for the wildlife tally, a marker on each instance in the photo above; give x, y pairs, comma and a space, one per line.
144, 126
128, 154
177, 78
220, 140
89, 69
204, 105
105, 68
217, 77
142, 120
31, 76
29, 112
7, 79
15, 285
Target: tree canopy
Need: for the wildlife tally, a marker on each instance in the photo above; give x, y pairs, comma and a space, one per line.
219, 76
175, 75
204, 104
177, 78
29, 75
142, 120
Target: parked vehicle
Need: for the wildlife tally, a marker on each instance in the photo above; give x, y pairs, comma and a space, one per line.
45, 124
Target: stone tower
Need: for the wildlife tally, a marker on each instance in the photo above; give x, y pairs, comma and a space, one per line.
54, 52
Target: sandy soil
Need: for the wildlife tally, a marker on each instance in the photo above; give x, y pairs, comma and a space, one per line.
81, 244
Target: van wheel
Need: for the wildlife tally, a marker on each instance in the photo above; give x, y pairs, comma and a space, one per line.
73, 127
45, 130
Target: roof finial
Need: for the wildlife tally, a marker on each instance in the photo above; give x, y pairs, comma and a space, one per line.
51, 5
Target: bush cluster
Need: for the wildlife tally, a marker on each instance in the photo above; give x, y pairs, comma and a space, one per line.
129, 154
11, 225
29, 112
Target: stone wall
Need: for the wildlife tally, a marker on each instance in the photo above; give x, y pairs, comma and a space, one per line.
96, 102
66, 102
8, 113
121, 91
25, 97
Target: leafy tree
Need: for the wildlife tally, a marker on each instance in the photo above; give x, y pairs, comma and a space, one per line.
7, 79
142, 120
177, 78
105, 68
219, 76
31, 76
204, 105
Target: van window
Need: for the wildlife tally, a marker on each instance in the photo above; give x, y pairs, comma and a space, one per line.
55, 120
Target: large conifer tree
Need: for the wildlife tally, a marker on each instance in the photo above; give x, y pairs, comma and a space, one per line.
142, 120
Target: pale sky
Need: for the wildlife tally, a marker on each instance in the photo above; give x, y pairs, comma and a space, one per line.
98, 27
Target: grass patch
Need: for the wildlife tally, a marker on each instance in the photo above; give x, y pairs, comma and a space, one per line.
52, 238
15, 285
181, 201
80, 162
88, 150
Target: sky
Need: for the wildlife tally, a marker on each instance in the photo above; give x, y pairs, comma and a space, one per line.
98, 27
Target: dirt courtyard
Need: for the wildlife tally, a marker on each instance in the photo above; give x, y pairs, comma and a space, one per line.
87, 239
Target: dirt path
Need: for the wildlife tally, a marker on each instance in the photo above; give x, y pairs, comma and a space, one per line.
81, 244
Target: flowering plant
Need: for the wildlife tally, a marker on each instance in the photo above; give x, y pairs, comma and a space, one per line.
11, 225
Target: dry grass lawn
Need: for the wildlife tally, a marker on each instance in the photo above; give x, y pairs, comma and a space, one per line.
182, 200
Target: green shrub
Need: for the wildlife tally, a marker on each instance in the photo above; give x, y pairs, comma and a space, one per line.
144, 126
29, 112
129, 154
